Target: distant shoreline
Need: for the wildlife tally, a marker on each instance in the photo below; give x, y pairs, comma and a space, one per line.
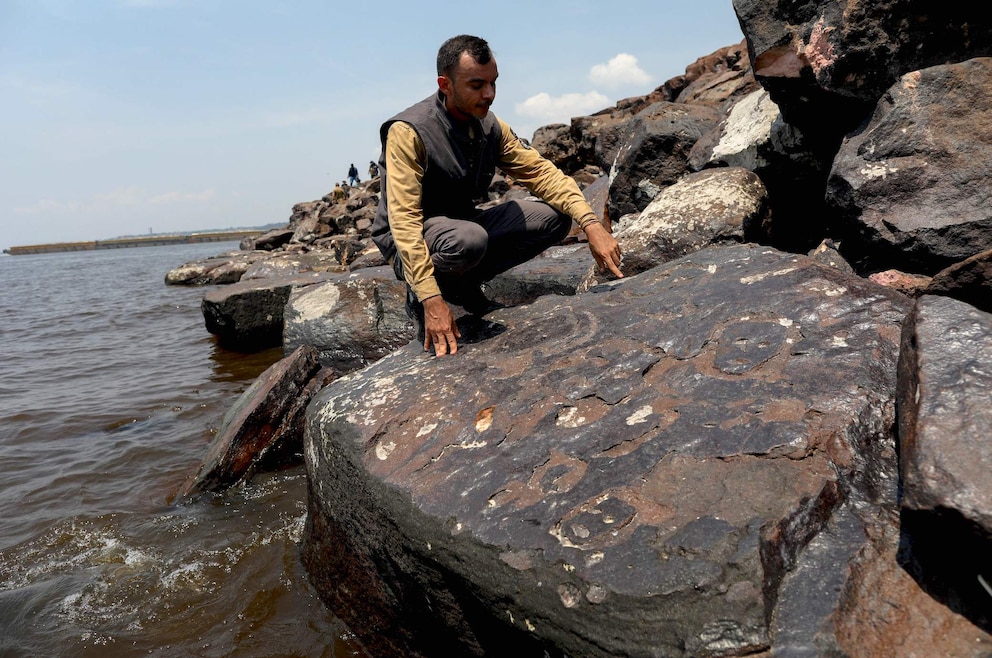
136, 241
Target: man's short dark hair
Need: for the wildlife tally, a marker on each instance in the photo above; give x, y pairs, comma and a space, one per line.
452, 49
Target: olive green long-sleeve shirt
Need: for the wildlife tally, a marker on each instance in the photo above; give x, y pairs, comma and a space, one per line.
406, 158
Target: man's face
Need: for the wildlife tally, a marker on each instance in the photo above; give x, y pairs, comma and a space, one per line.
470, 89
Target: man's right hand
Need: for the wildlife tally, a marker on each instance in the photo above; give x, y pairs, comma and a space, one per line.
605, 248
439, 327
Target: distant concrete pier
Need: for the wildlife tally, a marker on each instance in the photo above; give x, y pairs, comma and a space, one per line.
137, 241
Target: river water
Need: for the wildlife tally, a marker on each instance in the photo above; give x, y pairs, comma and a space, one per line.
111, 390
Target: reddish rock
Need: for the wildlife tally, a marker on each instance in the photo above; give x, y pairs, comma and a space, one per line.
263, 428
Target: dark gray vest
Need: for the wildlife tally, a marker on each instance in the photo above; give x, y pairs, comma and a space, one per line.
459, 168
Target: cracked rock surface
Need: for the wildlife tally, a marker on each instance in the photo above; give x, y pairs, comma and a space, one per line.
631, 471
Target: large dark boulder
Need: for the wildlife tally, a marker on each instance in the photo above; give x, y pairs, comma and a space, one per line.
273, 239
633, 471
557, 271
350, 321
555, 142
248, 316
216, 270
728, 204
970, 281
291, 263
827, 62
720, 78
653, 153
912, 188
945, 421
792, 165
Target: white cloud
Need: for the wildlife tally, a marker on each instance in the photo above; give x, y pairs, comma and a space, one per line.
124, 197
560, 109
619, 71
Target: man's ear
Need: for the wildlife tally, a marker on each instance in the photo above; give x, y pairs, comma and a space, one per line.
444, 84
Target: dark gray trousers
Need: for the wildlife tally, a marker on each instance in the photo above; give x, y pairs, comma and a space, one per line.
470, 252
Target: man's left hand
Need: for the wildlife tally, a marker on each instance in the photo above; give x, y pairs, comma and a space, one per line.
604, 247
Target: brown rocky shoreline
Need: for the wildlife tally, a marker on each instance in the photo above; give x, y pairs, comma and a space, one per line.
770, 438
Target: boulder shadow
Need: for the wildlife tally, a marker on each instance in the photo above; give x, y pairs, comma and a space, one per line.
475, 329
950, 558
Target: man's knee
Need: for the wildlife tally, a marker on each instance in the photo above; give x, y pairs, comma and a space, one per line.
460, 249
545, 220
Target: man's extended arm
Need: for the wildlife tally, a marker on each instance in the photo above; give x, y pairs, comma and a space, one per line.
543, 178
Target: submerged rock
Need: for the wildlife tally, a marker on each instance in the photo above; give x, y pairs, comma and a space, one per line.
264, 427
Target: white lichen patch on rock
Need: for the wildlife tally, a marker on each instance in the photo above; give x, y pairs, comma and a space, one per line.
315, 304
827, 288
640, 416
380, 393
750, 122
426, 429
383, 450
755, 278
877, 170
569, 417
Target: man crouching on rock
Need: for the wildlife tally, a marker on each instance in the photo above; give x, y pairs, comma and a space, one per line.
438, 160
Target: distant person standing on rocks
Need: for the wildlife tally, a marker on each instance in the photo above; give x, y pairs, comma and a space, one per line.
438, 159
338, 193
373, 170
353, 175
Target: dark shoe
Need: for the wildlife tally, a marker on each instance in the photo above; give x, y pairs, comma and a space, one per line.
415, 311
473, 300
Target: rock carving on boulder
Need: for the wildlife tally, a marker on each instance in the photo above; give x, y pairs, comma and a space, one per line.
631, 471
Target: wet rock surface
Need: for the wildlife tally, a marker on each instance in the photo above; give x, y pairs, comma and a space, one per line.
264, 427
631, 471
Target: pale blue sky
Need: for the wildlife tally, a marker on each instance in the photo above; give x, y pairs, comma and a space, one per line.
123, 116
